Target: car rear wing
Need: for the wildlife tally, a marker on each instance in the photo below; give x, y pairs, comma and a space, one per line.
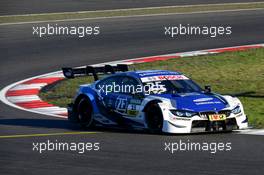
69, 72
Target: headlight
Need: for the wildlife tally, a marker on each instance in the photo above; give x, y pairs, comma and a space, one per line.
236, 110
183, 113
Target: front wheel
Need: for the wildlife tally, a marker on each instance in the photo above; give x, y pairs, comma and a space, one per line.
85, 111
154, 118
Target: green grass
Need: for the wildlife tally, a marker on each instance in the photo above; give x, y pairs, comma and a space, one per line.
128, 12
240, 73
62, 93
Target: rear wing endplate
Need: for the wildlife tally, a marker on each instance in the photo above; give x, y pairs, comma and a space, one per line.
69, 72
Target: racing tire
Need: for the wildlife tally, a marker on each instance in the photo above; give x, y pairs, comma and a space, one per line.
85, 113
154, 118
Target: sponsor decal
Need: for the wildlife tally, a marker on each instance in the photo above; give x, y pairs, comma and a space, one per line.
121, 104
132, 113
203, 99
163, 77
135, 101
132, 110
155, 73
217, 117
180, 118
208, 102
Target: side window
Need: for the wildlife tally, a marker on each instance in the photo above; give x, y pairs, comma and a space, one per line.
128, 84
107, 85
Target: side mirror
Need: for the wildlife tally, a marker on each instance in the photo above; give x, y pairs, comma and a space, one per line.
207, 89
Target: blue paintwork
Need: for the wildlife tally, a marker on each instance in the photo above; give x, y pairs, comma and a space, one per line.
190, 102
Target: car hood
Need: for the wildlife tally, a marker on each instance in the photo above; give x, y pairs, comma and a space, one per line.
197, 102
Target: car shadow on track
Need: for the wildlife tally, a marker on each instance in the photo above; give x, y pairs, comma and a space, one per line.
65, 124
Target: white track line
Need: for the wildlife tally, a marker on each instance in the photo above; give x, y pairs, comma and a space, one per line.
252, 132
131, 9
131, 16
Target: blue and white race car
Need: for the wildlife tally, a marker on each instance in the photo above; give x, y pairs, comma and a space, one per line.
154, 100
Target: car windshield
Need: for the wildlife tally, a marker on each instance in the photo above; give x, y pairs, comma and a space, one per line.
171, 86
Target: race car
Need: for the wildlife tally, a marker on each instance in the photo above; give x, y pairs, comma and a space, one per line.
159, 101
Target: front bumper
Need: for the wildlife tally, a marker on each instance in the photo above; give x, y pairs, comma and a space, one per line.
205, 125
198, 124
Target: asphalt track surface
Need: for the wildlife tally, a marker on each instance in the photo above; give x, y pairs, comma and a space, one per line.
24, 55
15, 7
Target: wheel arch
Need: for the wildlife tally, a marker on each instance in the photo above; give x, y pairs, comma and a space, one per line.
81, 96
150, 103
148, 119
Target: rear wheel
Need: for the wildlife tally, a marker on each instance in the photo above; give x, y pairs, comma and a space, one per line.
154, 118
85, 111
